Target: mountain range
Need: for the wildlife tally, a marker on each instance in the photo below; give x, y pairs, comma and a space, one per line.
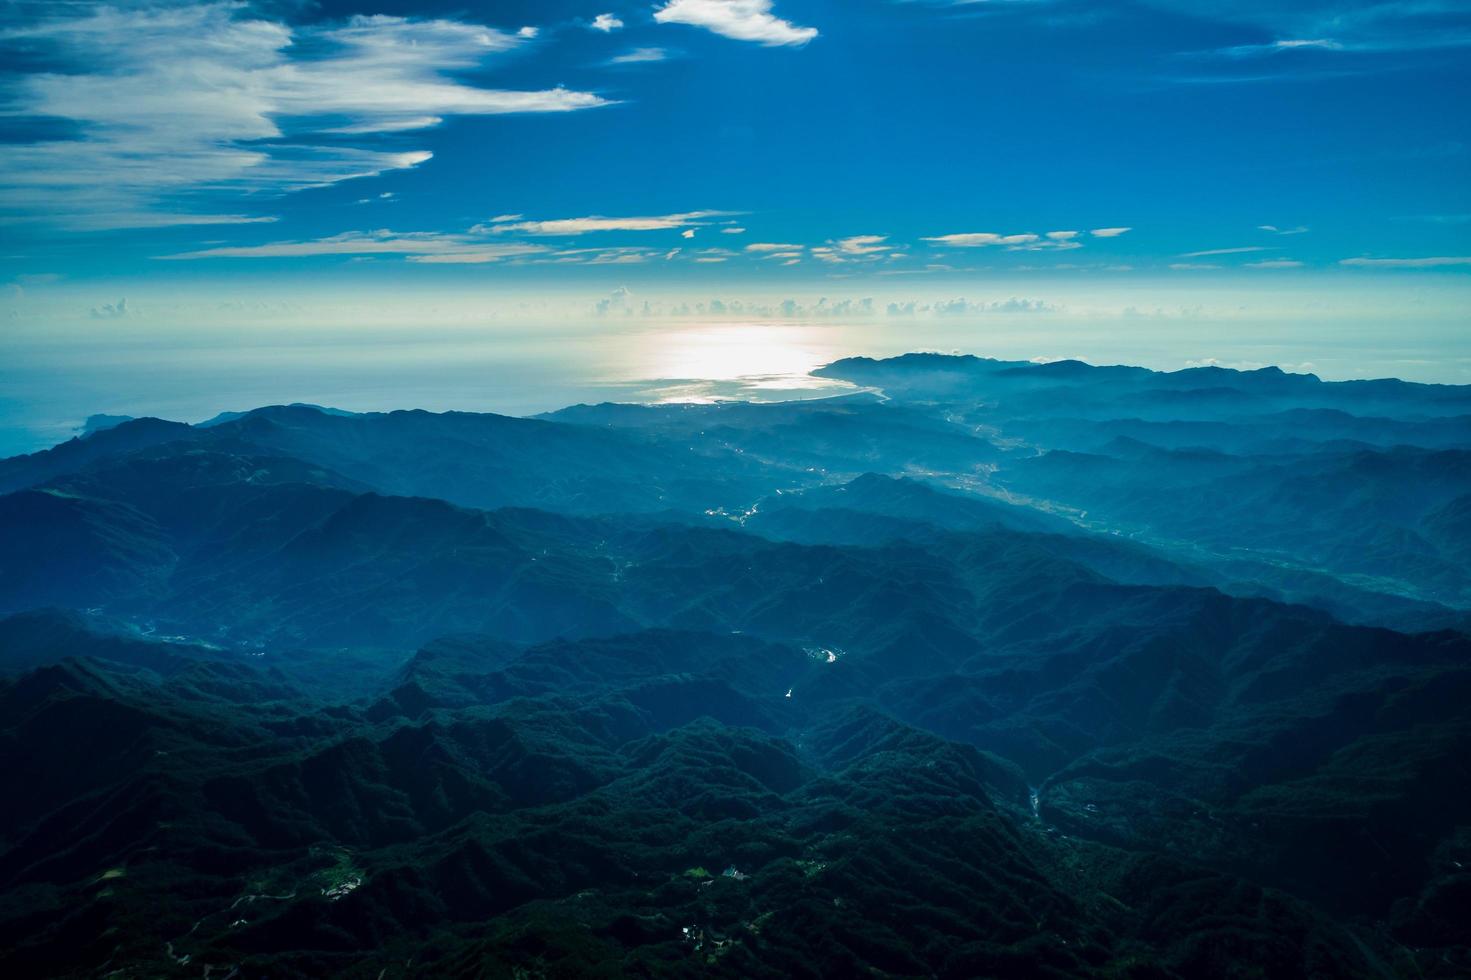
990, 668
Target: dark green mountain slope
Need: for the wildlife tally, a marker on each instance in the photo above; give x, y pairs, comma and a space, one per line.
1007, 670
568, 835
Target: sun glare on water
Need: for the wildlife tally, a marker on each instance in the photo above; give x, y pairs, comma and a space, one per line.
727, 353
713, 362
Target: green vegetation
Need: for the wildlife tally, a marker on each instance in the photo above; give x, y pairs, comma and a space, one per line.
900, 717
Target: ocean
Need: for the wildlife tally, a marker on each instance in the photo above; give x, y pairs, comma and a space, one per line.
51, 382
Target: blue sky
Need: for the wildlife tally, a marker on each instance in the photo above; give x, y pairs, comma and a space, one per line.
312, 148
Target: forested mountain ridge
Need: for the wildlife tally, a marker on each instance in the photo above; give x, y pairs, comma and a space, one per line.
1000, 669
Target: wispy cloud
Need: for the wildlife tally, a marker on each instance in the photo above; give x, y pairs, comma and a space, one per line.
1323, 39
743, 20
1240, 250
167, 219
179, 105
1432, 262
1278, 47
607, 23
1053, 241
856, 248
863, 245
639, 56
606, 255
428, 247
1333, 25
773, 247
1274, 264
599, 223
1273, 229
980, 239
1024, 242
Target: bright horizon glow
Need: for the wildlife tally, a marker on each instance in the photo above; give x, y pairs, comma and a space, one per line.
522, 353
214, 205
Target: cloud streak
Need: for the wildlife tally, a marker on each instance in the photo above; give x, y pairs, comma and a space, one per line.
599, 223
855, 248
426, 247
1054, 241
1432, 262
1336, 26
639, 56
1240, 250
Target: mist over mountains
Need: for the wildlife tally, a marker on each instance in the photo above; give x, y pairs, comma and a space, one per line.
993, 668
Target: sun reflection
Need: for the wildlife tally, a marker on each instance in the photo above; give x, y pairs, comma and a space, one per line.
730, 352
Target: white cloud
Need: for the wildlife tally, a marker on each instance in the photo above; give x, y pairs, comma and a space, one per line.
1191, 266
478, 256
1274, 264
596, 223
1299, 230
687, 233
1320, 42
639, 56
1279, 46
1049, 244
111, 311
618, 301
743, 20
385, 126
1433, 262
528, 32
772, 247
1223, 251
429, 247
855, 248
606, 23
1109, 232
1054, 241
179, 104
863, 245
609, 255
737, 230
980, 239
